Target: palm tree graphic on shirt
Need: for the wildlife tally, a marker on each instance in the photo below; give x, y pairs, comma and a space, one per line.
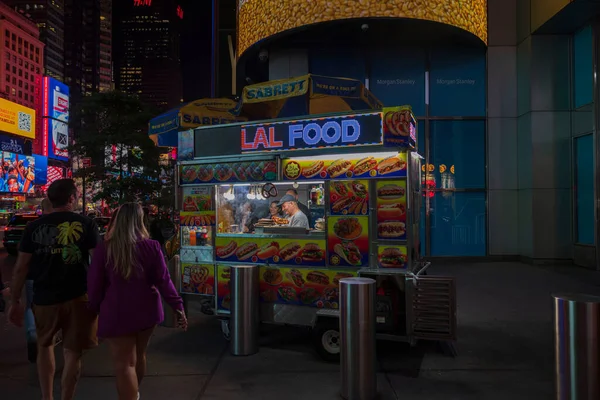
68, 234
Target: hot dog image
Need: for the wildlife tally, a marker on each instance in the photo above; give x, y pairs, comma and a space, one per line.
312, 253
296, 277
273, 276
390, 119
339, 167
268, 250
340, 188
342, 203
349, 252
227, 251
313, 169
341, 275
364, 165
391, 229
391, 164
246, 251
390, 192
318, 278
290, 251
392, 257
390, 211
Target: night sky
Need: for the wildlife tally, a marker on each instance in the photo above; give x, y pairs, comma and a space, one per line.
195, 48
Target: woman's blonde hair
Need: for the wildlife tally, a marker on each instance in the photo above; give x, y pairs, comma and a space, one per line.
126, 230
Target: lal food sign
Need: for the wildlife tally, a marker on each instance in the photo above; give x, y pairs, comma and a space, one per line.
17, 119
343, 131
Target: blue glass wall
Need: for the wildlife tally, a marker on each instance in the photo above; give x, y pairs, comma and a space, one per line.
584, 189
458, 83
582, 67
400, 78
457, 89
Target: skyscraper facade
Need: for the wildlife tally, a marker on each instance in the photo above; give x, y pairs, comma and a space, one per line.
49, 16
147, 50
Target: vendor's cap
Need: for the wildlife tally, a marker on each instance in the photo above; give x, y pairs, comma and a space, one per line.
286, 198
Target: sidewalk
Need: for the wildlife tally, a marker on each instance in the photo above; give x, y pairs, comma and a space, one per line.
505, 351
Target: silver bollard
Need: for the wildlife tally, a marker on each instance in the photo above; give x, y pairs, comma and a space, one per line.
577, 351
357, 337
245, 319
174, 267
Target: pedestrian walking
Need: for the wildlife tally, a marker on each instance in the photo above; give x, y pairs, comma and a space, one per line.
54, 252
126, 279
30, 332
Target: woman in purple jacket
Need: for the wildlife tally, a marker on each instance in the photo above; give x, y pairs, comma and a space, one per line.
127, 276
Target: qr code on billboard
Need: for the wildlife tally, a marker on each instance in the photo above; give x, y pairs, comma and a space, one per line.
24, 122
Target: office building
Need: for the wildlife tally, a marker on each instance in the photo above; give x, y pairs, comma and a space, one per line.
49, 16
22, 58
88, 56
147, 45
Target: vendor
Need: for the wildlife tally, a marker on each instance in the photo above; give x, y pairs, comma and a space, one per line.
289, 204
302, 207
274, 209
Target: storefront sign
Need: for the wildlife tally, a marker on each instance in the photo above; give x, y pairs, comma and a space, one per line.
276, 90
351, 130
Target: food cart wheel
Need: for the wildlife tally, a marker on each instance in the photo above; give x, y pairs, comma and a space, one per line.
225, 329
326, 339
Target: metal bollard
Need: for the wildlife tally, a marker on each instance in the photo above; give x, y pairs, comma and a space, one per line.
245, 320
174, 267
577, 351
357, 337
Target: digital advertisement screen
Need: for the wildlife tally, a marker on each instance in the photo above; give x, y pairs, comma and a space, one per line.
58, 140
259, 19
17, 119
56, 99
22, 174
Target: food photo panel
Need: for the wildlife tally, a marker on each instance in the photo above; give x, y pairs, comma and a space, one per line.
349, 197
302, 286
348, 241
391, 210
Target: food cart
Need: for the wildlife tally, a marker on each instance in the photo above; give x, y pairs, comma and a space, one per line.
358, 176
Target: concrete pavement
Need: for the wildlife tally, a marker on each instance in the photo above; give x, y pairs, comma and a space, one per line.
505, 351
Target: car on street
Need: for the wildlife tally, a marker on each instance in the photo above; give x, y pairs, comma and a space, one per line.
13, 232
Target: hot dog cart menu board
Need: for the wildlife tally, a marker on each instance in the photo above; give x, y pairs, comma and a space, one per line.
223, 288
302, 286
190, 219
197, 198
391, 210
243, 171
348, 241
198, 279
392, 256
349, 197
303, 252
368, 167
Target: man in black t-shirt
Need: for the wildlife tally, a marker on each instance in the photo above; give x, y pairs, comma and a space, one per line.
55, 252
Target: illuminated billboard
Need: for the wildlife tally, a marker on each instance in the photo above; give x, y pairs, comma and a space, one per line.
17, 119
58, 139
22, 174
56, 100
259, 19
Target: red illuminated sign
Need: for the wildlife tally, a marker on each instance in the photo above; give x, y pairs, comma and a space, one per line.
142, 3
45, 127
180, 12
